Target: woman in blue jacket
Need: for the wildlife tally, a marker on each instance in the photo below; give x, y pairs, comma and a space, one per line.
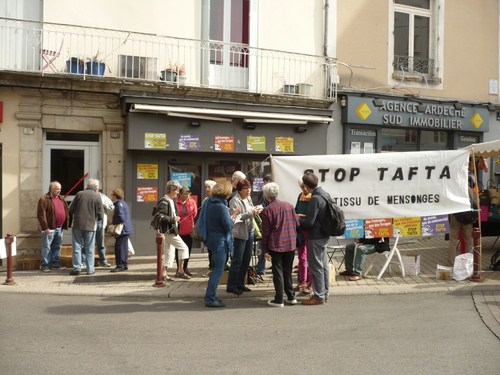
121, 215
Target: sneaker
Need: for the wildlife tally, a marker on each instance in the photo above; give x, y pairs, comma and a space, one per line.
46, 269
275, 304
58, 267
291, 301
105, 264
84, 267
75, 272
217, 303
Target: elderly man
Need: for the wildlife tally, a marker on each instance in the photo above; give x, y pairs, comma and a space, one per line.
317, 258
53, 216
87, 210
279, 240
237, 177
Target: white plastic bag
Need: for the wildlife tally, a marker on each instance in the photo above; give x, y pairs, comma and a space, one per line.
463, 267
130, 248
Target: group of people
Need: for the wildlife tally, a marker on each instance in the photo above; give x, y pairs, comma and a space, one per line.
226, 224
88, 218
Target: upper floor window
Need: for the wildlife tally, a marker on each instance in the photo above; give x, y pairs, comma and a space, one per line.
413, 36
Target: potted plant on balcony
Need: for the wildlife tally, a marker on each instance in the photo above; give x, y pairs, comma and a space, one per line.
288, 89
95, 65
74, 65
170, 73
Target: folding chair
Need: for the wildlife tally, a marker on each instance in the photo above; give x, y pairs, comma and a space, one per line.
388, 260
49, 57
333, 250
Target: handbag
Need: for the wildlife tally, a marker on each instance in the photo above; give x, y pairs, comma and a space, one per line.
257, 227
194, 233
115, 229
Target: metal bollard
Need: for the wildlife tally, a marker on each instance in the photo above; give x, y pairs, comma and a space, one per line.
159, 268
476, 274
8, 244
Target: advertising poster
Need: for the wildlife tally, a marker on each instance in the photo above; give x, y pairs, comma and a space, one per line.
155, 140
147, 194
257, 183
284, 144
219, 179
189, 142
354, 228
147, 171
432, 225
406, 227
222, 170
183, 178
256, 143
223, 143
377, 228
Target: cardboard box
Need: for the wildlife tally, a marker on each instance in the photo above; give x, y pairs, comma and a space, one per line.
333, 273
411, 263
444, 273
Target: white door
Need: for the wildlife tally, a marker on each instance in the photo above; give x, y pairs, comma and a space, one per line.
70, 161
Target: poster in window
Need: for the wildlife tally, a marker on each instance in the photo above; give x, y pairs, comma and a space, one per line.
147, 194
147, 171
224, 143
355, 147
256, 143
183, 178
155, 140
284, 144
368, 148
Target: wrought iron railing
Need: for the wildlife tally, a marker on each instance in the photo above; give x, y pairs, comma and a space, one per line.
49, 48
417, 64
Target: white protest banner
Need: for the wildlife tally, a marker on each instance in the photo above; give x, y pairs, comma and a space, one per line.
386, 185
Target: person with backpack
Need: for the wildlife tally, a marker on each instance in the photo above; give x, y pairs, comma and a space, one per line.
166, 221
356, 252
461, 221
317, 258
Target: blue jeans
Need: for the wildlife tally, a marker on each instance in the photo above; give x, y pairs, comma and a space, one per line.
261, 264
355, 257
99, 240
85, 239
240, 262
219, 258
51, 247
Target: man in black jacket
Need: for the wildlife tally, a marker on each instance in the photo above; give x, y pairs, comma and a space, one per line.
317, 258
356, 252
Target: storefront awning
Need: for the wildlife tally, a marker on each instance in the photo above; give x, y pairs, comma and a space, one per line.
228, 115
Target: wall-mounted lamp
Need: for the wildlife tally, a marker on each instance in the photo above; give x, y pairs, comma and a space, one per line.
249, 126
378, 102
343, 101
300, 129
420, 108
490, 107
195, 123
458, 106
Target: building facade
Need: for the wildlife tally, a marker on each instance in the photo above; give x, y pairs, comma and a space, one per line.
145, 96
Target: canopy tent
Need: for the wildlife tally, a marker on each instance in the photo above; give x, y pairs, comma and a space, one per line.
485, 149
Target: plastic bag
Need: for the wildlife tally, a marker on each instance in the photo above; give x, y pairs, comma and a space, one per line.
131, 250
463, 267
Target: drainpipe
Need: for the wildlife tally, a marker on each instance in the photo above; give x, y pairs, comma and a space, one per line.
325, 41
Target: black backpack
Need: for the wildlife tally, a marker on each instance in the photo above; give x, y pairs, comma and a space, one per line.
495, 261
467, 217
334, 223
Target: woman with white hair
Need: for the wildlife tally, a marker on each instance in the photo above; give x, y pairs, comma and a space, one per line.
279, 240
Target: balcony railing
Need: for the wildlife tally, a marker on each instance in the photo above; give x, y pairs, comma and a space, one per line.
48, 48
417, 64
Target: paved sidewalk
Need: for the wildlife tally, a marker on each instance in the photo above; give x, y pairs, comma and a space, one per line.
139, 279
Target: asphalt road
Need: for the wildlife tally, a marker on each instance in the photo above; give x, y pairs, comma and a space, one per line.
393, 334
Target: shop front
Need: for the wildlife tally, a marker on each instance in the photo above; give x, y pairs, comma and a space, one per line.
396, 125
194, 141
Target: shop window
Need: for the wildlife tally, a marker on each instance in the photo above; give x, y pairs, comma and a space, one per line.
433, 140
398, 140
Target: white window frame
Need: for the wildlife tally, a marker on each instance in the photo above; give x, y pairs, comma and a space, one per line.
436, 43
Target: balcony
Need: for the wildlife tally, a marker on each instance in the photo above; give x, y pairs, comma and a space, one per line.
68, 50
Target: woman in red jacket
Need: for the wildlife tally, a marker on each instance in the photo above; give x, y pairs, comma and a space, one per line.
186, 206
